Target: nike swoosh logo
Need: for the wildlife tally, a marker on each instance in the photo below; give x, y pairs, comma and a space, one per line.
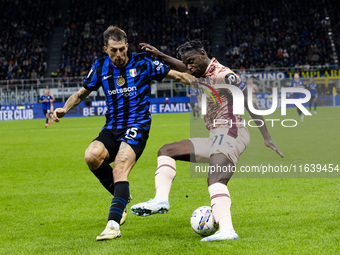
105, 77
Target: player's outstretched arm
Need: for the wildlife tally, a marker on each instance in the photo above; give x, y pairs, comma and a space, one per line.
71, 102
51, 106
179, 76
258, 119
173, 62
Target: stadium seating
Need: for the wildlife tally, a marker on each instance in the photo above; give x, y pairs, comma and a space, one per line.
25, 29
280, 33
144, 21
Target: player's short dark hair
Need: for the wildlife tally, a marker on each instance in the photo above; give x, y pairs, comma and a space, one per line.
114, 33
189, 45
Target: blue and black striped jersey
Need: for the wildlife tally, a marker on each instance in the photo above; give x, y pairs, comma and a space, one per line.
312, 88
297, 84
47, 103
127, 89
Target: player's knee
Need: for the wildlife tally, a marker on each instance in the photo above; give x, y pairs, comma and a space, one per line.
212, 180
218, 177
167, 150
92, 158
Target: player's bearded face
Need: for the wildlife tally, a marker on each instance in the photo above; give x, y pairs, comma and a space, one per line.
117, 52
194, 62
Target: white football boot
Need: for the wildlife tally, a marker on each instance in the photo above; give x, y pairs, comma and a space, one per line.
223, 234
110, 232
153, 206
124, 215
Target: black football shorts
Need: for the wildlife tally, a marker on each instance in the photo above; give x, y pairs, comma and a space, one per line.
136, 137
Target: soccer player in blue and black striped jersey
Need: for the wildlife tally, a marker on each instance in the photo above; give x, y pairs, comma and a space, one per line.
47, 101
312, 87
125, 79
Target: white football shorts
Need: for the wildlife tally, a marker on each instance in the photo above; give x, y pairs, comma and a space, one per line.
221, 142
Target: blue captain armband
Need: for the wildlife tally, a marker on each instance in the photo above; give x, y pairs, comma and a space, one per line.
241, 85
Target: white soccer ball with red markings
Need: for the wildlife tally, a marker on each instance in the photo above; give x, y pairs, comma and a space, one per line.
202, 221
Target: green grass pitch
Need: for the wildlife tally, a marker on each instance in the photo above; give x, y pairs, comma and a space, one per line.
50, 203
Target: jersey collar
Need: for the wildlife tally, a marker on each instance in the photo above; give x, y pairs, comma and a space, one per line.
211, 67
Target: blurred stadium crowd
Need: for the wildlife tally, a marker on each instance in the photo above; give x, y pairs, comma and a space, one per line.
25, 29
275, 34
281, 33
144, 21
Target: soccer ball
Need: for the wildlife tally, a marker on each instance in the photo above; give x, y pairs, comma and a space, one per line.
202, 221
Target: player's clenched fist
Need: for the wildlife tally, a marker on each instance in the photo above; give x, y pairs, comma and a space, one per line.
58, 113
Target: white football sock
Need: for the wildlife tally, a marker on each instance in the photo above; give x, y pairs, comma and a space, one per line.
166, 172
220, 205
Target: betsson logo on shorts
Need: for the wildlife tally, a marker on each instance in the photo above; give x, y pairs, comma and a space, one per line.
122, 90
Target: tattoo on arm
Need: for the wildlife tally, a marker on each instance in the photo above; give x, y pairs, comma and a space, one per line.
74, 100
